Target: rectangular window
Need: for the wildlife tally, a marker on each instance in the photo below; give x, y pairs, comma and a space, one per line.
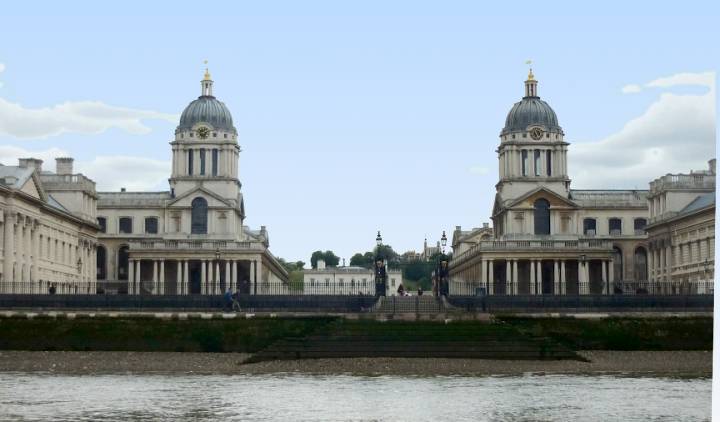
102, 222
549, 162
202, 161
151, 225
589, 227
215, 162
125, 225
190, 161
537, 162
524, 162
615, 226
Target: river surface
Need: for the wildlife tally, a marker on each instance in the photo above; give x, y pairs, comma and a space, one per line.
44, 397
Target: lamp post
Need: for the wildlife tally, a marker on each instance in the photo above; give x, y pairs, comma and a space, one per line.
441, 272
380, 273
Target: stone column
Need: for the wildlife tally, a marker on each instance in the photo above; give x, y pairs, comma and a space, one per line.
186, 278
8, 251
508, 277
217, 277
581, 278
131, 276
210, 278
138, 276
491, 277
515, 277
253, 274
604, 276
233, 279
162, 277
556, 277
228, 278
611, 276
35, 257
539, 277
178, 278
532, 277
19, 258
155, 277
203, 277
563, 281
668, 262
483, 274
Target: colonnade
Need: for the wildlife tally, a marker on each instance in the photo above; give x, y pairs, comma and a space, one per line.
211, 274
485, 272
23, 239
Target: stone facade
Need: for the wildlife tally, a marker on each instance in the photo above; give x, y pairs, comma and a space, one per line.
48, 229
548, 238
192, 238
682, 231
346, 280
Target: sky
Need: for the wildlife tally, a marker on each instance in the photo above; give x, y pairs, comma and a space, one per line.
364, 116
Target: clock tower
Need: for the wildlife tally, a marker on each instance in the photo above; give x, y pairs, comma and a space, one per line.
205, 149
532, 151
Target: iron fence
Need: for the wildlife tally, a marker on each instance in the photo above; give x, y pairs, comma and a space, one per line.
574, 288
584, 303
248, 303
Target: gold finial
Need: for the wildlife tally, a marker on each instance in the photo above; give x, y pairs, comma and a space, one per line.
207, 72
531, 77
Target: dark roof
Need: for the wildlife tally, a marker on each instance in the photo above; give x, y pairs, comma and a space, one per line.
529, 112
207, 109
702, 201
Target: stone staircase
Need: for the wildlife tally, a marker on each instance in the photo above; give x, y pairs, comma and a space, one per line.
410, 305
417, 339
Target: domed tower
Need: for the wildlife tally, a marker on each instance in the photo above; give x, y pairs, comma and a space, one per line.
205, 149
532, 151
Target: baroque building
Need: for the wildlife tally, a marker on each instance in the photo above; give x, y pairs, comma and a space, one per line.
548, 238
681, 231
49, 234
191, 239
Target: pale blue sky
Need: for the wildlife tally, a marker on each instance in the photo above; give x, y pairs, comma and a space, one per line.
365, 117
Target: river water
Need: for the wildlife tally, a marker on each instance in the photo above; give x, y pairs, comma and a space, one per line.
35, 397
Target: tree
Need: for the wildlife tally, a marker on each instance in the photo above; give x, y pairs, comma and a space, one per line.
331, 260
358, 260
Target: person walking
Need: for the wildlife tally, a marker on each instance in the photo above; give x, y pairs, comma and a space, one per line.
228, 300
419, 291
236, 301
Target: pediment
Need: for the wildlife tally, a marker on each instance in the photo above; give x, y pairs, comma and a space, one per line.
555, 200
33, 188
213, 200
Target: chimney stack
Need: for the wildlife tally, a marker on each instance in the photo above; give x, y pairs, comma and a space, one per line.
35, 163
64, 165
711, 165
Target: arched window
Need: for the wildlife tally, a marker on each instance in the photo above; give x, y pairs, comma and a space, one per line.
199, 216
640, 270
542, 216
123, 255
101, 263
617, 259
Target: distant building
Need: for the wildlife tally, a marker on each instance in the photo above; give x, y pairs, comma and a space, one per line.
346, 280
429, 251
49, 234
681, 231
464, 240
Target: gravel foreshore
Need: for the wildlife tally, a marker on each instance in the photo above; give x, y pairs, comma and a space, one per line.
669, 363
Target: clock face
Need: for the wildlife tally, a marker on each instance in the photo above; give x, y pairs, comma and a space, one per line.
536, 133
203, 132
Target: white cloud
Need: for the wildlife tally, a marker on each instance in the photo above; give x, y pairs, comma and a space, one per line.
631, 89
675, 134
88, 117
2, 67
134, 173
703, 79
109, 172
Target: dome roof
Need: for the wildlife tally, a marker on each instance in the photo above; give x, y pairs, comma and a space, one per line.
531, 111
207, 109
